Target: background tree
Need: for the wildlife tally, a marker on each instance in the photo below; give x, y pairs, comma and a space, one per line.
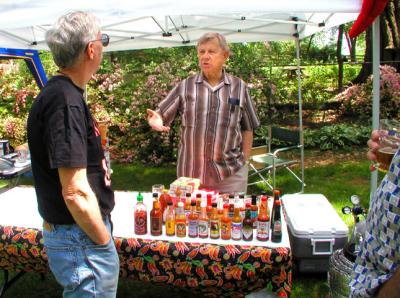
389, 43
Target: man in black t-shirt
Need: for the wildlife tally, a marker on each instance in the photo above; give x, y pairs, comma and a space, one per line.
72, 185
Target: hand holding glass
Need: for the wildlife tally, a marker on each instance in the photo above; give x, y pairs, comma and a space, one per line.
389, 141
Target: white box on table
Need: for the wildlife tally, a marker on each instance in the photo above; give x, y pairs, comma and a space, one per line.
315, 230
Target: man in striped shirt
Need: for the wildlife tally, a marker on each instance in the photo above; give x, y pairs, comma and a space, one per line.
218, 118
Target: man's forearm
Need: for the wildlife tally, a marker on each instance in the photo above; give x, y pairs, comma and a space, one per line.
247, 143
391, 288
82, 204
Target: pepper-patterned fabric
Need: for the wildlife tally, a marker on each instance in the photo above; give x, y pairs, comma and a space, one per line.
208, 269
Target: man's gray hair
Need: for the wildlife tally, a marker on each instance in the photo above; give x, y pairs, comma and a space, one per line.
69, 36
214, 35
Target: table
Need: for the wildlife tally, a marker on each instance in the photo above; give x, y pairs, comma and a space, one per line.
13, 174
212, 267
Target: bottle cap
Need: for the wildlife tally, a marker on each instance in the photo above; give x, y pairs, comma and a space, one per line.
214, 204
193, 203
169, 203
139, 197
155, 195
188, 194
198, 195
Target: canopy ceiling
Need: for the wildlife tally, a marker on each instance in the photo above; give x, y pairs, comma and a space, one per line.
158, 23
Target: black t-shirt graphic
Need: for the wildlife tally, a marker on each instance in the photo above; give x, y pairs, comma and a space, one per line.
63, 134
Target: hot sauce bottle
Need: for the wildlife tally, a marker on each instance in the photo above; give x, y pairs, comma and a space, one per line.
140, 216
203, 221
214, 223
242, 205
180, 221
198, 203
276, 227
254, 210
193, 221
209, 206
236, 224
170, 220
226, 224
164, 199
187, 205
231, 205
156, 217
263, 221
247, 231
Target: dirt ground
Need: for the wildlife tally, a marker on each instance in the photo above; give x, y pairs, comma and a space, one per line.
314, 158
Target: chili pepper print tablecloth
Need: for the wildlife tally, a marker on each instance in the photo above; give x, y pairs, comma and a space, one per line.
213, 268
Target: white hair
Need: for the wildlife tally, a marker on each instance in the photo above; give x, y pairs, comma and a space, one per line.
69, 36
214, 35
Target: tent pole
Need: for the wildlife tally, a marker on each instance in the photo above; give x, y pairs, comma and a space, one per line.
300, 110
375, 91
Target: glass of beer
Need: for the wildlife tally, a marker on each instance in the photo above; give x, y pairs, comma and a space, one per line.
389, 140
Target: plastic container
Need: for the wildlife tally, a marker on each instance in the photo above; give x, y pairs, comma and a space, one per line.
315, 230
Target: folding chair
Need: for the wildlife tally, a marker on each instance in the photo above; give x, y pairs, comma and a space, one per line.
264, 162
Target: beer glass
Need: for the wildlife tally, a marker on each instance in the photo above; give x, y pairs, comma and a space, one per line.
158, 188
389, 141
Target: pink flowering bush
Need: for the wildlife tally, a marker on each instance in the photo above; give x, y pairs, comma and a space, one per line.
357, 99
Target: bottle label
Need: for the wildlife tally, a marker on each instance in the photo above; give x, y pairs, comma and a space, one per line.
156, 225
193, 228
236, 230
140, 223
247, 232
203, 228
277, 226
225, 231
254, 214
170, 227
180, 229
263, 230
214, 228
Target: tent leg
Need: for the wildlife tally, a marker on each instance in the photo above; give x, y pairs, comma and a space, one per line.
375, 91
300, 110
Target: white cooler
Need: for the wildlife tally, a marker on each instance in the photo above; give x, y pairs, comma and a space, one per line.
315, 230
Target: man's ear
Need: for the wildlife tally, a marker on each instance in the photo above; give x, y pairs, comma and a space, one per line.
90, 50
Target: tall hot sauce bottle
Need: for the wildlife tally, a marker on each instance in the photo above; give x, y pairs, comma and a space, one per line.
209, 206
237, 224
263, 221
226, 224
156, 217
254, 210
140, 215
188, 201
170, 219
277, 197
276, 227
193, 221
203, 221
214, 223
247, 230
164, 199
180, 220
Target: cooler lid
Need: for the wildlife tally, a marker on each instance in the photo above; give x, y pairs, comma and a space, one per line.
312, 215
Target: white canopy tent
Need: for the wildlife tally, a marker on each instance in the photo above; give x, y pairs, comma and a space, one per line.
156, 23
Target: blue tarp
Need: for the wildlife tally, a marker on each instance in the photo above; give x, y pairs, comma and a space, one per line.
32, 59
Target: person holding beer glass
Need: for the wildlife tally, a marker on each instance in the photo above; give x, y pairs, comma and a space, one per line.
376, 271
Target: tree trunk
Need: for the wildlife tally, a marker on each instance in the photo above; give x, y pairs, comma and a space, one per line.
389, 44
340, 58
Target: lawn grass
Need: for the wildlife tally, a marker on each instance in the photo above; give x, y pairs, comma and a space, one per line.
336, 181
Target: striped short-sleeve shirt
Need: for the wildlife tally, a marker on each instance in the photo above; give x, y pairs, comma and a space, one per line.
379, 256
212, 121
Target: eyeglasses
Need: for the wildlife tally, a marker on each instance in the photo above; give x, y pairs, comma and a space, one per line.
105, 40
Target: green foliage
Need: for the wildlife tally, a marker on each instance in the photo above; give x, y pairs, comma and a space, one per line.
357, 99
337, 136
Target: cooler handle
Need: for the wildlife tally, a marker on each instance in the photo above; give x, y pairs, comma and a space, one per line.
314, 243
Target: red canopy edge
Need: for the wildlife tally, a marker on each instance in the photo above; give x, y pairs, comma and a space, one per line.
370, 9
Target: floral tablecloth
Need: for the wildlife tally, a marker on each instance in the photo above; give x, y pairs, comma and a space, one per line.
211, 269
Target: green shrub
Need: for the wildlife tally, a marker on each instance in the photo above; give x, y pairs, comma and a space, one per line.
337, 136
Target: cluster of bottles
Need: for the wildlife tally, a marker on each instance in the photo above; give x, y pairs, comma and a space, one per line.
232, 217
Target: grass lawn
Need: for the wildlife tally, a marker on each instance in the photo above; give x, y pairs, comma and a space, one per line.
337, 181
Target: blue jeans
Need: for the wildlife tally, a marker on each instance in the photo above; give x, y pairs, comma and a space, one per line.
83, 268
